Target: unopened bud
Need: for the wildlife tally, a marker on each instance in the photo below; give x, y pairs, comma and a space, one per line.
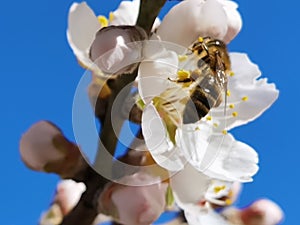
134, 205
44, 148
262, 212
118, 49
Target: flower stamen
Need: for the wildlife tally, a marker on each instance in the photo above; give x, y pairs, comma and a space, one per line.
111, 17
182, 58
217, 189
234, 114
183, 74
228, 93
245, 98
103, 21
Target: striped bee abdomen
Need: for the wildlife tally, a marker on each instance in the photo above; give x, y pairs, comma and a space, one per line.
206, 95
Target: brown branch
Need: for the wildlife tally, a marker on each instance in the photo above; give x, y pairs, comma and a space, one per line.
86, 210
109, 135
149, 9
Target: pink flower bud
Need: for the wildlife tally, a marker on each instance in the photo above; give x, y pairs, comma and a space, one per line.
44, 148
262, 212
118, 49
141, 204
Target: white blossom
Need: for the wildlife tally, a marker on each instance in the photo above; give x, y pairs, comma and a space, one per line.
83, 31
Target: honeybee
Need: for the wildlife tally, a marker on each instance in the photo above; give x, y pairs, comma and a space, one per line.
209, 79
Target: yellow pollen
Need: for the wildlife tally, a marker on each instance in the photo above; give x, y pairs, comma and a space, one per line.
103, 21
216, 125
228, 93
111, 16
231, 106
200, 39
183, 74
228, 201
209, 118
224, 132
219, 188
197, 128
182, 58
245, 98
234, 114
231, 73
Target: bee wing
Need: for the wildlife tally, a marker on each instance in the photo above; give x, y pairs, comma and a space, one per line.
221, 78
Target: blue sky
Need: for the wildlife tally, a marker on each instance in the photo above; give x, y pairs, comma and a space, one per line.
39, 76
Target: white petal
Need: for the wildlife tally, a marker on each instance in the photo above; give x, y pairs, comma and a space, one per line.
234, 20
82, 27
153, 128
213, 20
259, 94
230, 160
126, 14
170, 160
193, 140
178, 29
159, 65
158, 142
189, 185
68, 193
156, 24
200, 216
204, 18
217, 190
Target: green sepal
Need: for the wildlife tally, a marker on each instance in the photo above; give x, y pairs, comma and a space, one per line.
169, 196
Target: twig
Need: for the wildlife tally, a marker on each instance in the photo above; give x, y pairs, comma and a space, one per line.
86, 210
109, 135
149, 9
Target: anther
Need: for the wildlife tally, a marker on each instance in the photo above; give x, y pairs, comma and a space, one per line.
103, 21
245, 98
219, 188
111, 16
228, 93
182, 58
200, 39
183, 74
